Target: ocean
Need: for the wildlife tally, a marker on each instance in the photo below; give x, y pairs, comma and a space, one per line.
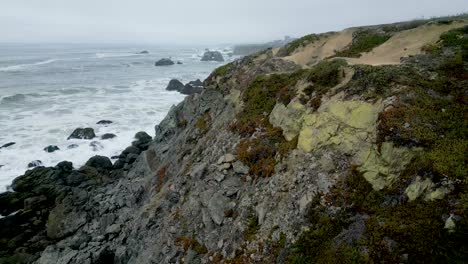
48, 90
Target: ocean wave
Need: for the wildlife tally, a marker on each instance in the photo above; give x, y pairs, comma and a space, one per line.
23, 66
14, 98
114, 55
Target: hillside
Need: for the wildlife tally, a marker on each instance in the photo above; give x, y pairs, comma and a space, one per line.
342, 147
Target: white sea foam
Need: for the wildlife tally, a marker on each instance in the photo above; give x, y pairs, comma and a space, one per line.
38, 110
115, 55
27, 65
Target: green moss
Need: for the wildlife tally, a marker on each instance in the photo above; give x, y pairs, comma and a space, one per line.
223, 70
325, 75
363, 41
291, 47
203, 122
252, 228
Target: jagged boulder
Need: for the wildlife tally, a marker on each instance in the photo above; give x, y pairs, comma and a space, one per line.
82, 133
212, 56
192, 87
108, 136
7, 145
175, 85
51, 149
35, 163
104, 122
164, 62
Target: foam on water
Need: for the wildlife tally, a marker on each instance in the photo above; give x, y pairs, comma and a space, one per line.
23, 66
42, 106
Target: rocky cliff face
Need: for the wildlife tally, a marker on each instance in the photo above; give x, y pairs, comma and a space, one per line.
281, 159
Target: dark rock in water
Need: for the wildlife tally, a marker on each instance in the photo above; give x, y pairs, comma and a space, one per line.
212, 56
51, 148
114, 157
192, 87
96, 146
35, 163
72, 146
196, 83
1, 166
104, 122
175, 85
179, 62
108, 136
164, 62
130, 150
100, 163
143, 52
142, 140
8, 145
83, 133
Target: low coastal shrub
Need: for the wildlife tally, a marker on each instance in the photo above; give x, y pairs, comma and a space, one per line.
291, 47
363, 41
325, 75
191, 243
203, 122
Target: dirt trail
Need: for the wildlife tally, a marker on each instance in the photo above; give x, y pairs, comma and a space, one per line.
323, 48
404, 44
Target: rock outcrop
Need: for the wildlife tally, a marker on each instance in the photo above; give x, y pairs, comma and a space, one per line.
164, 62
273, 162
83, 133
212, 56
187, 89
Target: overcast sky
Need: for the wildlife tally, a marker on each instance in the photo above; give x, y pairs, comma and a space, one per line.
200, 21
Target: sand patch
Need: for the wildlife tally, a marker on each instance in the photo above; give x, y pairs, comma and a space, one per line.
404, 44
323, 48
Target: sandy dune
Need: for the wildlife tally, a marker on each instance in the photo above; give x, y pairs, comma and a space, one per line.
404, 44
323, 48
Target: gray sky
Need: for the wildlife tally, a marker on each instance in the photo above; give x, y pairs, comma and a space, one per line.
200, 21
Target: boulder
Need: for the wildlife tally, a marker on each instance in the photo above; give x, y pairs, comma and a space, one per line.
192, 87
101, 163
179, 62
72, 146
212, 56
51, 148
108, 136
8, 145
34, 164
83, 133
143, 52
164, 62
142, 140
104, 122
175, 85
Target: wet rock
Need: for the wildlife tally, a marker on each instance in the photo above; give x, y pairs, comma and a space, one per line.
101, 163
179, 62
51, 149
164, 62
108, 136
143, 52
175, 85
142, 140
104, 122
35, 163
192, 87
82, 133
34, 202
72, 146
212, 56
96, 146
7, 145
